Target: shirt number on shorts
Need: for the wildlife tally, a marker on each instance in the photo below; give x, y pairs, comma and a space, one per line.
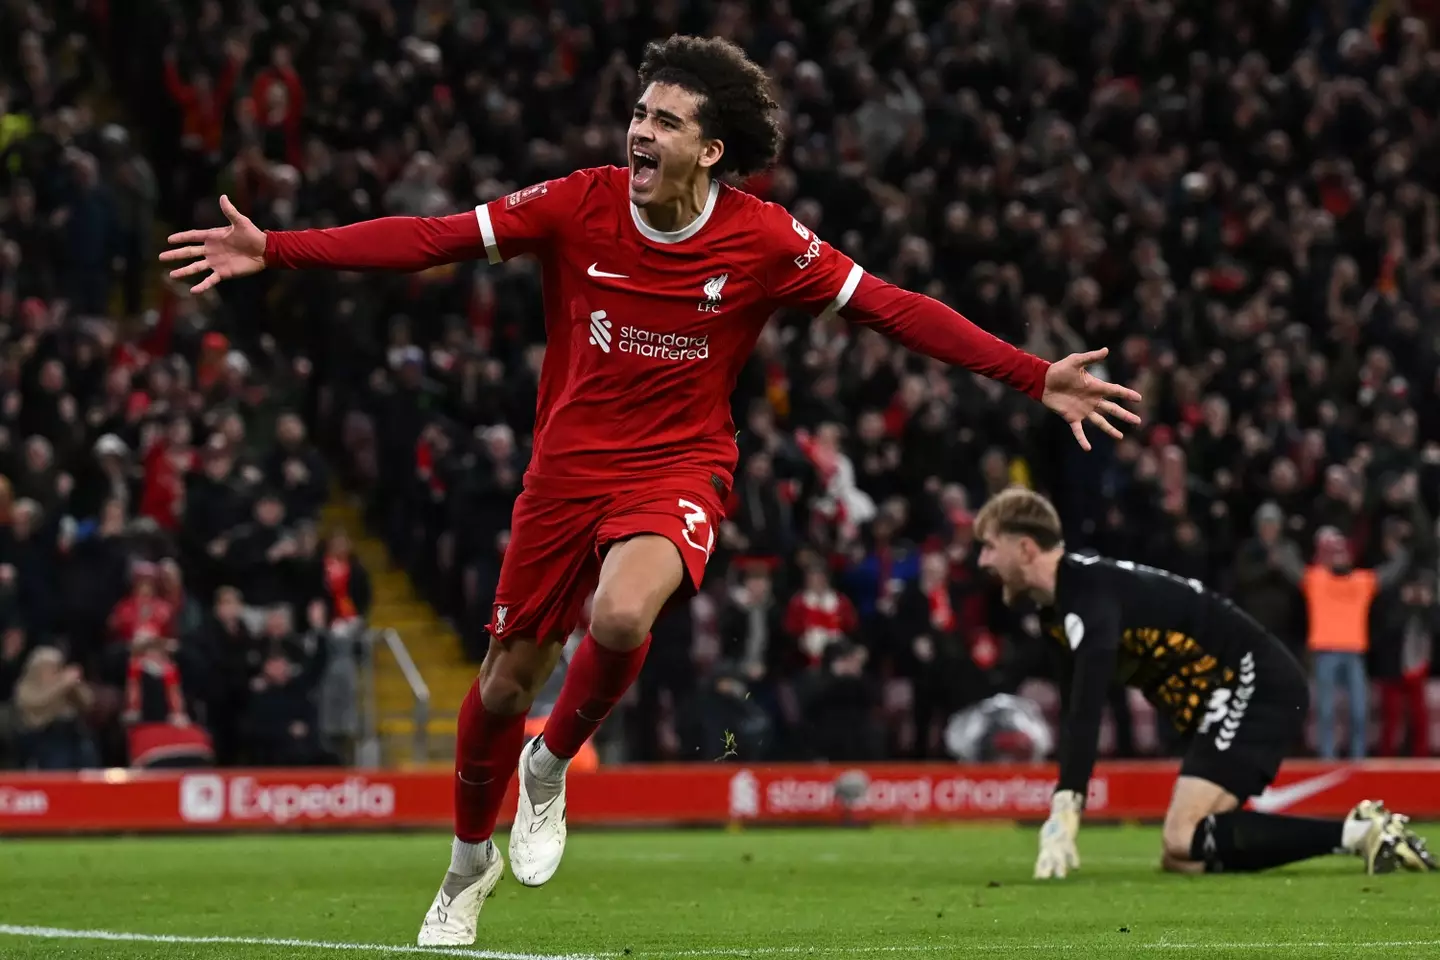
695, 518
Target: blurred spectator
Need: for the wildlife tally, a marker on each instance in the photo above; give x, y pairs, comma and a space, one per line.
880, 570
838, 706
1263, 588
721, 722
1402, 652
225, 656
819, 616
296, 469
108, 475
13, 650
347, 583
259, 551
152, 683
753, 640
761, 521
171, 588
32, 553
751, 632
144, 612
1339, 597
281, 721
51, 698
89, 233
203, 102
930, 649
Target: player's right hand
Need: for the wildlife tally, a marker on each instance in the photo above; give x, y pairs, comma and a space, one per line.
1058, 854
233, 251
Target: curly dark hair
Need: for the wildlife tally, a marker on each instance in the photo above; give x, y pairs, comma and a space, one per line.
735, 103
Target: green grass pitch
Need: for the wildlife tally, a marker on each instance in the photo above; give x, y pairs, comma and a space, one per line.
925, 892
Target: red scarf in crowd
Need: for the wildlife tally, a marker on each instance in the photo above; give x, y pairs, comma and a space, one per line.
942, 612
337, 581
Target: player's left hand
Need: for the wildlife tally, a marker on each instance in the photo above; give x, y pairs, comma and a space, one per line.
1058, 854
1077, 396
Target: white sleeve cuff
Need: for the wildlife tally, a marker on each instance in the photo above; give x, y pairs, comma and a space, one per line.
487, 233
847, 290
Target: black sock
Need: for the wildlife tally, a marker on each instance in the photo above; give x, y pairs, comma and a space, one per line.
1244, 840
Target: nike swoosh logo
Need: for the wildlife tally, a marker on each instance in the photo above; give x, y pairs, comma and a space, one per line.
1275, 799
542, 808
535, 827
595, 272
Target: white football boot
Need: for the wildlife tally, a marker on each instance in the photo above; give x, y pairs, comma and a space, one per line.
537, 838
451, 919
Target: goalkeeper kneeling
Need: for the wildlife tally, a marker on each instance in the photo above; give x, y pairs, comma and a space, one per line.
1230, 688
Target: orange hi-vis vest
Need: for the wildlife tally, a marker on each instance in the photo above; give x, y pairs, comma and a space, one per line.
1339, 605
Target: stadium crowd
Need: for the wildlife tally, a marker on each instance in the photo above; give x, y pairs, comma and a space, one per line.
164, 596
1239, 199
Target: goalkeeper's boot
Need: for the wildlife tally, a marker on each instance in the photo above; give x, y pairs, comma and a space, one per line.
537, 840
1378, 850
1409, 849
1369, 811
455, 911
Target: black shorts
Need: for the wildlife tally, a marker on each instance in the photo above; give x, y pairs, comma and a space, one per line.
1250, 727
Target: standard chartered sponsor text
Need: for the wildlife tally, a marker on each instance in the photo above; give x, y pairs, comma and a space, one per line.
663, 346
927, 794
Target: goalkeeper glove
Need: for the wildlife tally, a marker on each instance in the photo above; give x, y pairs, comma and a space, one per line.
1057, 836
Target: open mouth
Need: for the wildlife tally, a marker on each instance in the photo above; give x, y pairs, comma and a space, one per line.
644, 167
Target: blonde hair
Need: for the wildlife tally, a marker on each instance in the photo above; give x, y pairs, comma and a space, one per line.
1022, 512
39, 699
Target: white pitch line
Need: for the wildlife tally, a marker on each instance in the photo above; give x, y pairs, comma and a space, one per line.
59, 933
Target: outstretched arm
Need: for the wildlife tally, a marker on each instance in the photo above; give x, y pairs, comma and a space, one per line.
927, 326
1286, 557
807, 273
523, 222
390, 243
1389, 574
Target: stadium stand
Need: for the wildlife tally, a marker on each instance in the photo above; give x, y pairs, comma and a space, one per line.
1239, 199
164, 596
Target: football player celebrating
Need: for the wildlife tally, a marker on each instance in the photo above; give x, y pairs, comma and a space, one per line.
658, 279
1227, 685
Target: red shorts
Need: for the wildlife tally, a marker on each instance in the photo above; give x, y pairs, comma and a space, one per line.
556, 546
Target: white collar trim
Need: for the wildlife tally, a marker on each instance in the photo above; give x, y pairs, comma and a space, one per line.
684, 233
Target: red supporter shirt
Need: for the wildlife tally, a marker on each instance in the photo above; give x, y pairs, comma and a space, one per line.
817, 620
647, 330
135, 614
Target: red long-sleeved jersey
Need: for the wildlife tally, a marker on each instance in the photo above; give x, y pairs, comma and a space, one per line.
647, 330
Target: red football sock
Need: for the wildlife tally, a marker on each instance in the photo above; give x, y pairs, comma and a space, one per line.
487, 750
598, 677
